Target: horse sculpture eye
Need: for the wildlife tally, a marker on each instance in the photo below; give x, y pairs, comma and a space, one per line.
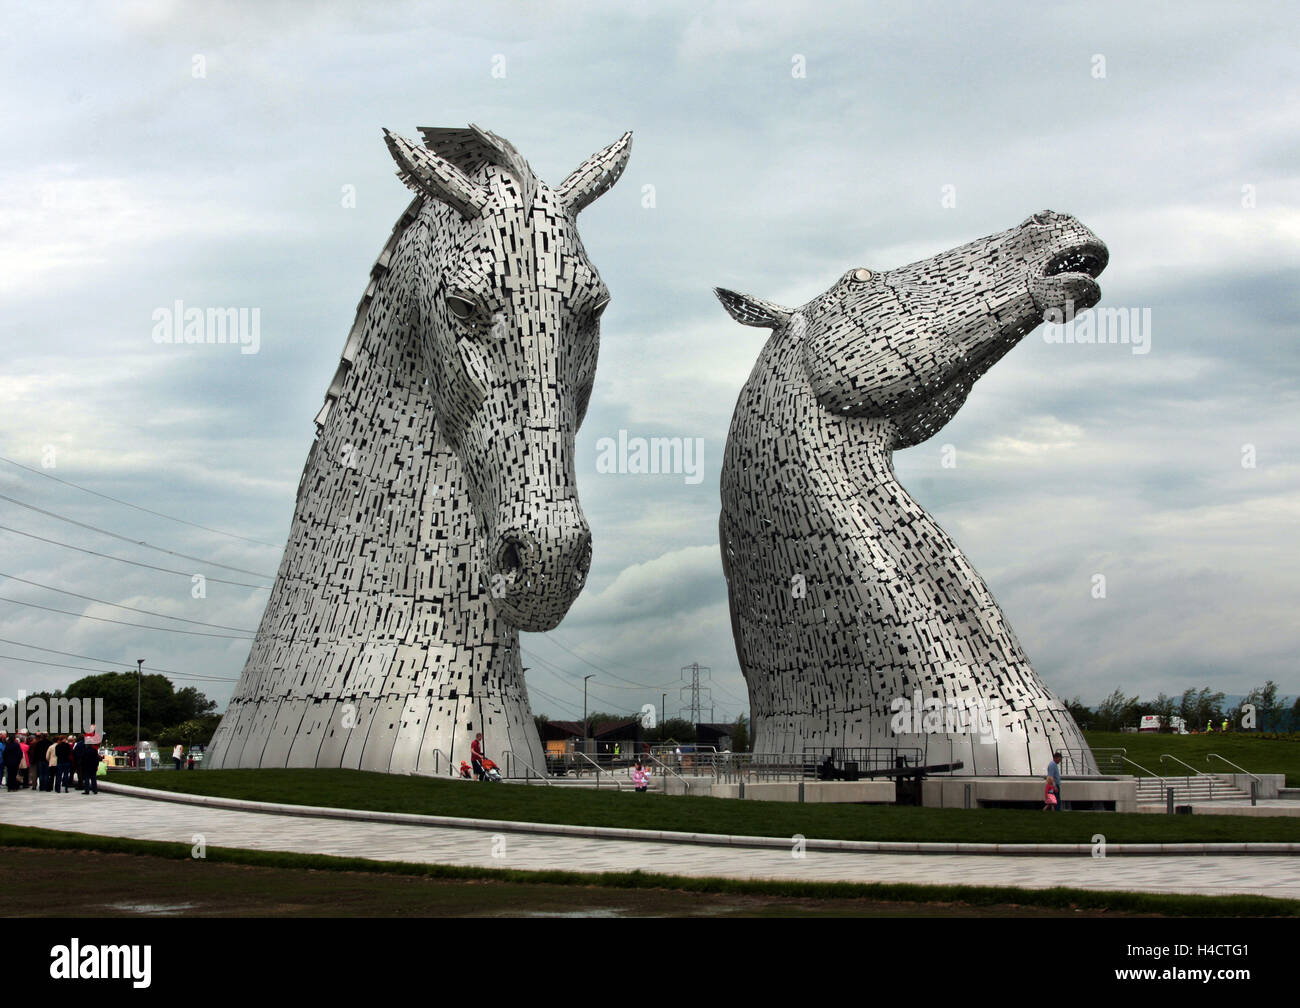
461, 307
862, 275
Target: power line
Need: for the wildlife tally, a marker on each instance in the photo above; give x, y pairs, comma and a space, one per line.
118, 500
134, 542
556, 670
140, 626
555, 640
33, 661
534, 656
108, 661
133, 563
82, 668
623, 664
115, 605
564, 707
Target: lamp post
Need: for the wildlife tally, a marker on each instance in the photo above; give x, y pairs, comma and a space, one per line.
139, 676
663, 716
586, 747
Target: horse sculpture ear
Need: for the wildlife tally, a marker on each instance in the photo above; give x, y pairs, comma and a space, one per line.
595, 176
430, 175
752, 311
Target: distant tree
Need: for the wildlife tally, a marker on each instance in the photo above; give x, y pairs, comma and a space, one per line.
195, 731
1117, 712
596, 718
740, 734
1209, 709
1269, 710
191, 704
161, 705
1163, 706
674, 730
1187, 709
1082, 714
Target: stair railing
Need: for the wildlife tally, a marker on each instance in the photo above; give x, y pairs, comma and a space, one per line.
509, 755
1254, 781
1198, 773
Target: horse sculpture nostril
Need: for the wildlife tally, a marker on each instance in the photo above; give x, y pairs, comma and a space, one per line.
510, 558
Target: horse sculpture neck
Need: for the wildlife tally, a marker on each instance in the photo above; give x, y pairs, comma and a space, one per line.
423, 541
380, 648
847, 597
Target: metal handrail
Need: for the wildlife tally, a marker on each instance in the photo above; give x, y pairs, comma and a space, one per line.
1193, 769
1162, 780
1199, 773
1233, 765
1099, 756
598, 770
438, 754
542, 777
666, 767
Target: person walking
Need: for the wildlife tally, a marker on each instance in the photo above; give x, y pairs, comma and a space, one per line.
640, 776
476, 755
1054, 773
87, 759
178, 754
1049, 795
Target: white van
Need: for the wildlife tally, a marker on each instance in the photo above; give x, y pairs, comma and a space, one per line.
1151, 723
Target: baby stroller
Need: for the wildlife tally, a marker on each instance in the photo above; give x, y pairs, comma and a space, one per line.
490, 771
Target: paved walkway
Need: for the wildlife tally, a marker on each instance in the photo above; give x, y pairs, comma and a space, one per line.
118, 815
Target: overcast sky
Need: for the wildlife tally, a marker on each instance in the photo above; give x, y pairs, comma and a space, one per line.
164, 151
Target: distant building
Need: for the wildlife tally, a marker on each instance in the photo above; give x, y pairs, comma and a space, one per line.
716, 735
607, 737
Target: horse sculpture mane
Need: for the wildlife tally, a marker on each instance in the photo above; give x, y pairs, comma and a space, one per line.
437, 512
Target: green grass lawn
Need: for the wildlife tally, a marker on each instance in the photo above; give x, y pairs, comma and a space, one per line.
429, 796
1257, 755
129, 878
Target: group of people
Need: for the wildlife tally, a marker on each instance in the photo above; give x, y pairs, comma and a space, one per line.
47, 762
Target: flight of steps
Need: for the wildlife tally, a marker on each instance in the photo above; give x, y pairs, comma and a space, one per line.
606, 783
1187, 790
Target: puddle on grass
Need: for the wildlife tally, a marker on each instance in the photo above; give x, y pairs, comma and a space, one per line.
158, 909
572, 913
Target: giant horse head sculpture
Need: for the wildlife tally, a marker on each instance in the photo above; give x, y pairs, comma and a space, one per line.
437, 514
906, 345
889, 613
507, 309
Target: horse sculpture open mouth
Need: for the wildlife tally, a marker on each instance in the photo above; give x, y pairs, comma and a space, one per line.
1087, 258
1067, 282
